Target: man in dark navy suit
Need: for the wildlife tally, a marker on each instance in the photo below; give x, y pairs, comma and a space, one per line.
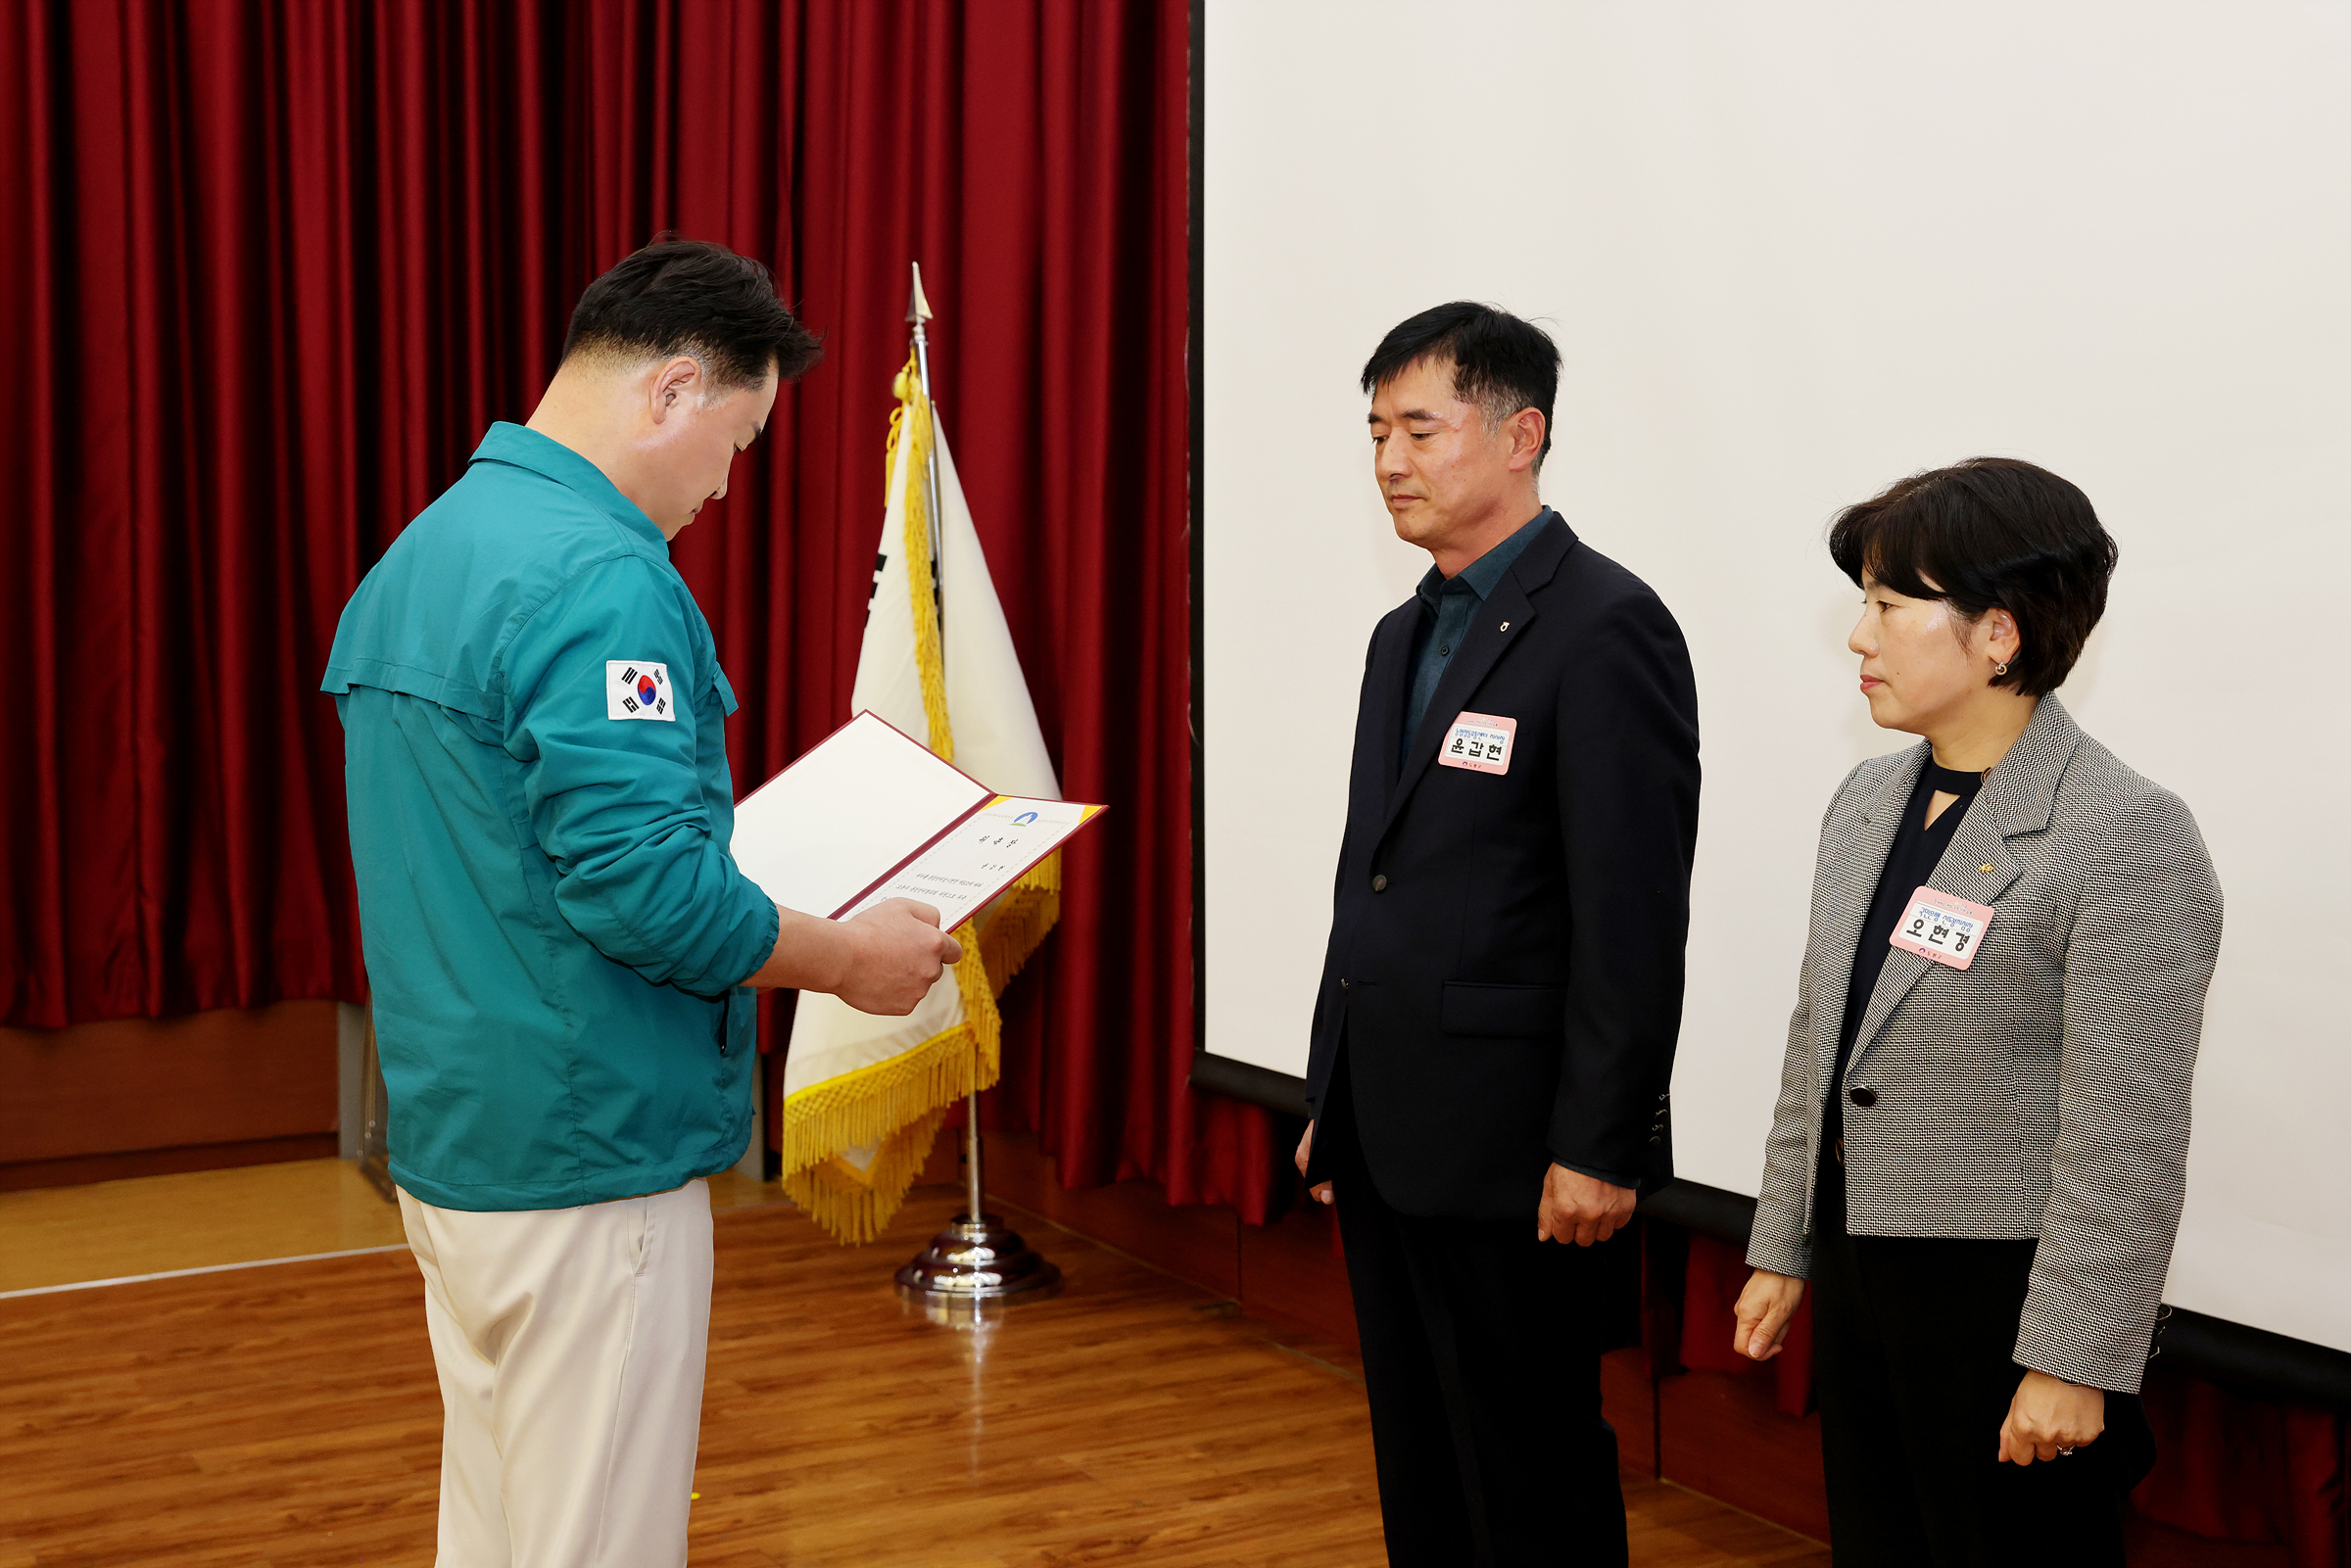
1493, 1034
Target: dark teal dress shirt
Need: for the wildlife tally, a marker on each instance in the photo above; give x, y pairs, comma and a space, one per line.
1448, 605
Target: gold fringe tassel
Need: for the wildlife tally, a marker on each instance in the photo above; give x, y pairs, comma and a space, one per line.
868, 1104
855, 1206
1024, 915
920, 575
897, 1104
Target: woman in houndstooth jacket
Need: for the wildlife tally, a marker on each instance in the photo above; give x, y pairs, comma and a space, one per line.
1980, 1140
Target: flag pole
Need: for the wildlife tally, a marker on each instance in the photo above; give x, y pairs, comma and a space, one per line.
976, 1262
918, 314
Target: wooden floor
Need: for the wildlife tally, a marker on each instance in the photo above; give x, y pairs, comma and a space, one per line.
207, 1219
287, 1416
203, 1218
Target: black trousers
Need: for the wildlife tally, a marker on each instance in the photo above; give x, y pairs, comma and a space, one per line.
1481, 1360
1914, 1368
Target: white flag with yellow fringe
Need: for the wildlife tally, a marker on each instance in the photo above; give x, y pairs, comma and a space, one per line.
864, 1095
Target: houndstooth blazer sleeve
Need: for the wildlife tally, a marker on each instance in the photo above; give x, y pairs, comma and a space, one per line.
2144, 938
1781, 1240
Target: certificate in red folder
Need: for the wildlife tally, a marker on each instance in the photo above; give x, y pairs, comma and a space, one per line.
870, 814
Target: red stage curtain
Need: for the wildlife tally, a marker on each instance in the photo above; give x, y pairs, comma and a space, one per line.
2233, 1468
279, 264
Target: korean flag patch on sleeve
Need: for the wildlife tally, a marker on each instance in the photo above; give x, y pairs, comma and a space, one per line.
638, 689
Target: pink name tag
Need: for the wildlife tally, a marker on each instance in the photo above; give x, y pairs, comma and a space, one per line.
1941, 927
1479, 741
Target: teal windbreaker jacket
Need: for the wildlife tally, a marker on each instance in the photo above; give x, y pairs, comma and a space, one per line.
535, 759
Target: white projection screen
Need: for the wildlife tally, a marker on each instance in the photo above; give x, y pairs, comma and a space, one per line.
1792, 251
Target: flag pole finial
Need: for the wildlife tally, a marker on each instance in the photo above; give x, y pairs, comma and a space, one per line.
918, 312
918, 308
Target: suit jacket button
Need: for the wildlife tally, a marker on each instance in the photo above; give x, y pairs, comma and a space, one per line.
1379, 883
1657, 1140
1864, 1095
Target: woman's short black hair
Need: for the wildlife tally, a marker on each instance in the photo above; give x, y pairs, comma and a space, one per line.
1990, 533
1500, 363
694, 297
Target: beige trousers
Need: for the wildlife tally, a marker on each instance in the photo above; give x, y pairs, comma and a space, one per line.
570, 1344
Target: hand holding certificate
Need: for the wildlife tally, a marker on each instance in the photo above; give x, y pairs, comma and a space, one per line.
870, 815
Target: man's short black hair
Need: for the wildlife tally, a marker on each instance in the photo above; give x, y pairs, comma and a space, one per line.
1990, 533
1500, 363
693, 297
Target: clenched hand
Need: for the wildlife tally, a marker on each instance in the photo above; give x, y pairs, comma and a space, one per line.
2049, 1418
1765, 1309
1581, 1209
1321, 1190
896, 952
884, 961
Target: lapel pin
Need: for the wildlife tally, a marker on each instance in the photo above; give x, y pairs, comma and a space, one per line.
1505, 626
1987, 870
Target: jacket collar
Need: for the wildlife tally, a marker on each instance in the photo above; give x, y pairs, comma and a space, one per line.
2019, 798
520, 446
1481, 576
2024, 787
2019, 794
1509, 606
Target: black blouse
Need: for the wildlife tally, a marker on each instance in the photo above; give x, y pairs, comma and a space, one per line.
1909, 865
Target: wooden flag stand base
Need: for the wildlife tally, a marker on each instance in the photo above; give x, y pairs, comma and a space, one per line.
978, 1265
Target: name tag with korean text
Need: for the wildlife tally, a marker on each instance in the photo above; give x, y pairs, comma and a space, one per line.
1479, 741
1941, 927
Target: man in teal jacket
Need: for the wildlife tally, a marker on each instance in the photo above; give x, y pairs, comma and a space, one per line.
562, 953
